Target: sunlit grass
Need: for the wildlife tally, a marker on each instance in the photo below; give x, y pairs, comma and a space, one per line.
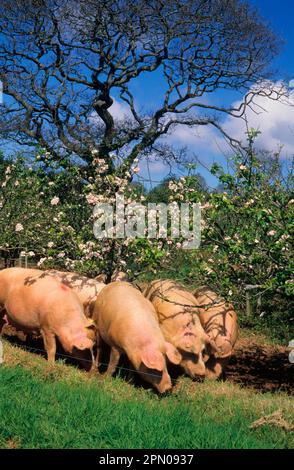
45, 406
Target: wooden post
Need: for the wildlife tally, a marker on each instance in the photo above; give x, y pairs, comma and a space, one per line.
248, 304
249, 288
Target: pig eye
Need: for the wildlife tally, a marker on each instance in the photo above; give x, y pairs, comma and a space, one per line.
189, 356
205, 351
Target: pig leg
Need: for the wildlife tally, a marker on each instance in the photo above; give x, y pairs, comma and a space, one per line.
113, 361
50, 344
96, 360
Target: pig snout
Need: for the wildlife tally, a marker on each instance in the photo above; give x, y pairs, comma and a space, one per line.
194, 367
160, 380
83, 343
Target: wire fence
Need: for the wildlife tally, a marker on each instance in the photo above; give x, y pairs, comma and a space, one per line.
79, 359
12, 257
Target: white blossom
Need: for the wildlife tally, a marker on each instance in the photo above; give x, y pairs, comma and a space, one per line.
54, 201
19, 227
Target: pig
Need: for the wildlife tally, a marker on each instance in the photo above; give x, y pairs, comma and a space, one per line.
86, 289
127, 322
219, 321
180, 324
43, 305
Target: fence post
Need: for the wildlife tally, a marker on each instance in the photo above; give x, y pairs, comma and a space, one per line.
248, 304
248, 289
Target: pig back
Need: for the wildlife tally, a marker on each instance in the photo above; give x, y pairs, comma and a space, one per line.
33, 298
124, 315
218, 318
86, 289
176, 310
26, 290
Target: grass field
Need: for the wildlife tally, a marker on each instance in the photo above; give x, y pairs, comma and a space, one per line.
45, 406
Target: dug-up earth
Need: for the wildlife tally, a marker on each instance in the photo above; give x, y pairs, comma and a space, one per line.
261, 365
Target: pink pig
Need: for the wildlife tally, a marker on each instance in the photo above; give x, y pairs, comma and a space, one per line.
86, 289
219, 321
127, 322
178, 319
36, 304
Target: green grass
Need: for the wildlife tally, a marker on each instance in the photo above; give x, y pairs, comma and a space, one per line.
45, 406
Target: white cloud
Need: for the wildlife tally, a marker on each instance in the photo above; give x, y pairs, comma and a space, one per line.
275, 121
153, 171
119, 110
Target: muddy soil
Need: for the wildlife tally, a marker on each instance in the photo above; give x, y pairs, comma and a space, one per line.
263, 367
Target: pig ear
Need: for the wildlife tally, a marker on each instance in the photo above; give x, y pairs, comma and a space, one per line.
173, 354
225, 349
211, 343
153, 360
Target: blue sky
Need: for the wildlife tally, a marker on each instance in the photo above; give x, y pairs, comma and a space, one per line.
281, 16
206, 144
275, 122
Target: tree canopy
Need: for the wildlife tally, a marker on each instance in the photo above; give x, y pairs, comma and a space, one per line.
62, 64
